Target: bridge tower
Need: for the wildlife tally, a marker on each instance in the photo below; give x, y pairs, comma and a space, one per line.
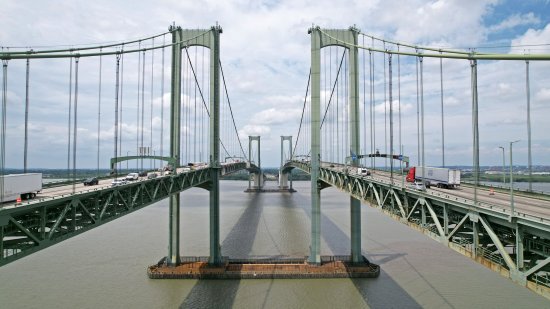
285, 177
321, 38
257, 175
208, 38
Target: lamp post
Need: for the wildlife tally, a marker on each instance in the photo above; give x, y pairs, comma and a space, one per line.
503, 166
511, 180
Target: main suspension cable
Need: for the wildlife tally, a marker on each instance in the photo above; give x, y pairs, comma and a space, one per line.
303, 110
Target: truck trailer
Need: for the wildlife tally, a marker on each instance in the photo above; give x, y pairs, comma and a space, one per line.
435, 176
24, 186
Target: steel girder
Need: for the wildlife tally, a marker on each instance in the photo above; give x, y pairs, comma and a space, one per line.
30, 228
517, 246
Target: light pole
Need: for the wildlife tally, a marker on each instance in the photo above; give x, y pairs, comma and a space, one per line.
503, 166
511, 181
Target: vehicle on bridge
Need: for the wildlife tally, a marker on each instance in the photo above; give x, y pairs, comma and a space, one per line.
119, 182
152, 175
24, 186
437, 176
363, 171
132, 176
90, 181
197, 165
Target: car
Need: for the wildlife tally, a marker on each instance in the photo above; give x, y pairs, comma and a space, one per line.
363, 171
119, 182
142, 174
91, 181
418, 185
151, 175
132, 176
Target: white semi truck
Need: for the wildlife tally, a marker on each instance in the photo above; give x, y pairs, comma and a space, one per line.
435, 176
24, 186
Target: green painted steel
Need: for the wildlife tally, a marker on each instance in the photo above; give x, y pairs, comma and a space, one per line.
315, 247
171, 161
354, 129
173, 257
285, 177
347, 39
476, 229
215, 248
32, 227
256, 172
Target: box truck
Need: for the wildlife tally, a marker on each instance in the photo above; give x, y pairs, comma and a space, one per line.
25, 186
435, 176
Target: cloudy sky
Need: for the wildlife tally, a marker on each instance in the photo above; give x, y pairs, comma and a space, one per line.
265, 51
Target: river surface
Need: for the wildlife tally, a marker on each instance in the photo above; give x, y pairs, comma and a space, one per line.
543, 187
106, 267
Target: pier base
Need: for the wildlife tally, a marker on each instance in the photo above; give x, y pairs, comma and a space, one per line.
264, 268
269, 190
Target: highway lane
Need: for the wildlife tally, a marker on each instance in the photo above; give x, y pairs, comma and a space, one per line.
499, 201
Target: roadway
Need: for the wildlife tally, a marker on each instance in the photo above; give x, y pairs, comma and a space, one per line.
497, 200
64, 190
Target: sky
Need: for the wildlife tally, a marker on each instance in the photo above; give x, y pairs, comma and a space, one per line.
265, 52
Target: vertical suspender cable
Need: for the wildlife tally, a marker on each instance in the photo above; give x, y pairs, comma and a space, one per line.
364, 107
121, 86
338, 139
475, 128
117, 85
162, 101
417, 116
371, 109
26, 118
75, 133
442, 115
69, 125
152, 88
142, 109
324, 145
528, 92
99, 110
399, 106
373, 106
195, 114
3, 127
390, 96
137, 107
202, 138
422, 115
346, 149
385, 110
332, 109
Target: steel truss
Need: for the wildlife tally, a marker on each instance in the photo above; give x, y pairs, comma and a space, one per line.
517, 247
29, 228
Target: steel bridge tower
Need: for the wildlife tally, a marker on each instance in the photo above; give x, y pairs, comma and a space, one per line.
346, 39
257, 174
208, 38
285, 178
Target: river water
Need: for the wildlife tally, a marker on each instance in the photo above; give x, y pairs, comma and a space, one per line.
106, 267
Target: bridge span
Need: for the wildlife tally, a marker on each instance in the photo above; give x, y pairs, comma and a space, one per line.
515, 244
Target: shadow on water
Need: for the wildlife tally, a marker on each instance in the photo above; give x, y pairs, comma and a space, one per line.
381, 292
237, 244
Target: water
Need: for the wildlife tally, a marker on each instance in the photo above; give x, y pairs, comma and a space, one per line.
106, 267
537, 186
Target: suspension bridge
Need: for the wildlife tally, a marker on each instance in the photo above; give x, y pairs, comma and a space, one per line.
510, 235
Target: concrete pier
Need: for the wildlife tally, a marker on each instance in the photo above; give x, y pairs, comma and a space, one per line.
264, 268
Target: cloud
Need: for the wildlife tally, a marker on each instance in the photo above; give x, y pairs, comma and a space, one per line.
274, 116
516, 20
251, 130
